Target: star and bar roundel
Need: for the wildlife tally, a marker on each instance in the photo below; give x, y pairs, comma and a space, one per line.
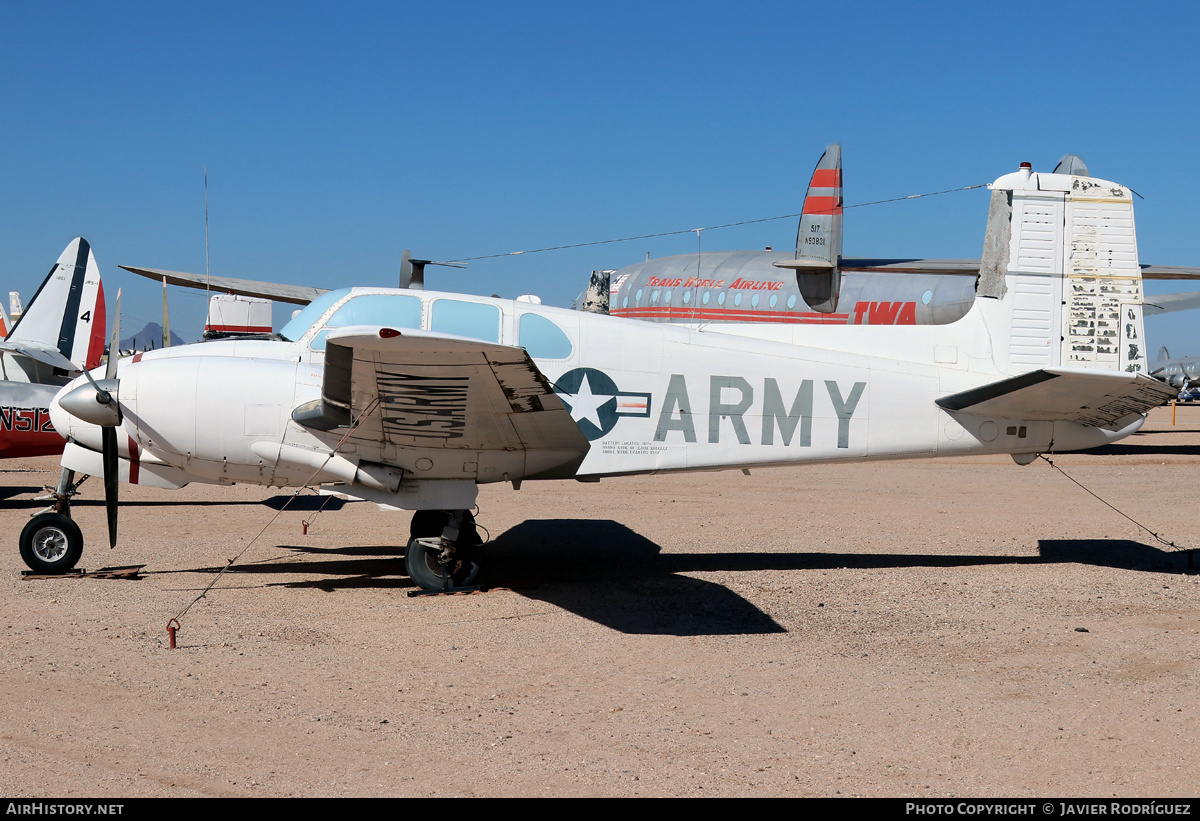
596, 403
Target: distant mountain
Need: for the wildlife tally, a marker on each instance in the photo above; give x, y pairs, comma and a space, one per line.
149, 337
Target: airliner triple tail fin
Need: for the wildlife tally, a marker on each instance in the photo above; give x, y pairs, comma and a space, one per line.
819, 237
1061, 292
63, 325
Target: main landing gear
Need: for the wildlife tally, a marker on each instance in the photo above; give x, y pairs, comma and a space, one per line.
444, 551
51, 543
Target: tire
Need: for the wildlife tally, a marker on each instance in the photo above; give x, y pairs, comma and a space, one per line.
429, 524
51, 543
421, 563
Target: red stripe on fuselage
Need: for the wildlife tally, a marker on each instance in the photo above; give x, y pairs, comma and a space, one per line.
239, 329
731, 315
28, 432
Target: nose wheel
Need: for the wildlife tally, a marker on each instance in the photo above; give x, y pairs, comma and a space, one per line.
51, 542
444, 551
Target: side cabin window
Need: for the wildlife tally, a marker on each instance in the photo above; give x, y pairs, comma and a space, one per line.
473, 320
392, 310
542, 339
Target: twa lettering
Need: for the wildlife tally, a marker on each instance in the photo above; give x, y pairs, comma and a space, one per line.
25, 420
885, 313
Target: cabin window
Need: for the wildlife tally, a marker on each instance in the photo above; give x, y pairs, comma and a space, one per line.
667, 297
926, 297
754, 301
737, 301
687, 297
654, 296
721, 299
474, 320
542, 339
791, 302
625, 302
638, 296
774, 300
705, 299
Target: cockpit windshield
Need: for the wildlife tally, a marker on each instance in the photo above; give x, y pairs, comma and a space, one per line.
310, 314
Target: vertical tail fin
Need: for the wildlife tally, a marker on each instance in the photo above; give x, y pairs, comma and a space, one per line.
67, 312
819, 235
1060, 255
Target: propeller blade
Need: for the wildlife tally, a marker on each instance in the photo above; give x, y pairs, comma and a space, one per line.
111, 477
114, 346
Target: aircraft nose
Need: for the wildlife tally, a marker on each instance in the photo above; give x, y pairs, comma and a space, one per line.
67, 423
96, 403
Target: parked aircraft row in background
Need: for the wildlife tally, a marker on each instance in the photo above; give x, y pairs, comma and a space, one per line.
816, 284
413, 398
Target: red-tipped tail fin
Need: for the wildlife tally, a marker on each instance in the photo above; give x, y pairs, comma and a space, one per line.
819, 237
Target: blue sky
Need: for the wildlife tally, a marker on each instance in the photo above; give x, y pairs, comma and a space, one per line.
337, 134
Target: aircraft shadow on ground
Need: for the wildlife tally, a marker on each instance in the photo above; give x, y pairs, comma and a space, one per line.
10, 492
1121, 554
1144, 450
607, 573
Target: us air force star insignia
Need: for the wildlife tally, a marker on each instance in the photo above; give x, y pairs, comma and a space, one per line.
595, 401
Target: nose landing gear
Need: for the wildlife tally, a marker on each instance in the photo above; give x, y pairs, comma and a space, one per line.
51, 542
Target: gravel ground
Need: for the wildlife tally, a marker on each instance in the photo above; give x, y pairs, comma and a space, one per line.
939, 628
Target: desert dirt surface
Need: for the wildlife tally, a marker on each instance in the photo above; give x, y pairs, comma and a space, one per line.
876, 629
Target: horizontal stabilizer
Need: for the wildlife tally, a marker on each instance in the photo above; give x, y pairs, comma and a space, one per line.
1089, 397
295, 294
47, 356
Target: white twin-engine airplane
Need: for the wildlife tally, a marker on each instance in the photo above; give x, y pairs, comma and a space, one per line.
413, 398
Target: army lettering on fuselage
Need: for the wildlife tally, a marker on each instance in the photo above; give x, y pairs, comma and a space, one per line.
428, 407
731, 397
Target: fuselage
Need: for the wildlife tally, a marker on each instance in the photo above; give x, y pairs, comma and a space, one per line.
25, 426
648, 397
746, 286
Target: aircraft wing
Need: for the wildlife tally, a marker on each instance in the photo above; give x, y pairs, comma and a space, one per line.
295, 294
1089, 397
1169, 272
436, 391
959, 267
1166, 303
